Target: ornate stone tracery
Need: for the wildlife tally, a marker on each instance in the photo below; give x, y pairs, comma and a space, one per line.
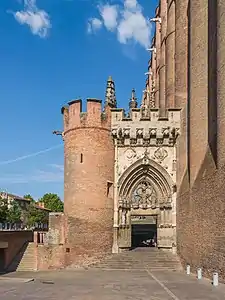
144, 196
145, 170
145, 189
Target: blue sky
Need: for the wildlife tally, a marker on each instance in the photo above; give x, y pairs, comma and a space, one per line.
52, 51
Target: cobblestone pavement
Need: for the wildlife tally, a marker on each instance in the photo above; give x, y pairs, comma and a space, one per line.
107, 285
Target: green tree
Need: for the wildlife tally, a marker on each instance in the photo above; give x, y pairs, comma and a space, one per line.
28, 196
3, 210
14, 213
52, 202
35, 215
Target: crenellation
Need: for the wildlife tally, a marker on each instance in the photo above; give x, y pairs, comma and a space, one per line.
74, 117
94, 110
65, 113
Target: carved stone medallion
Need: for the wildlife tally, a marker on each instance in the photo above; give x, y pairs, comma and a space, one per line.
130, 154
161, 154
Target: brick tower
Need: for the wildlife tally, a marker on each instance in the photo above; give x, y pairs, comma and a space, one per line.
89, 171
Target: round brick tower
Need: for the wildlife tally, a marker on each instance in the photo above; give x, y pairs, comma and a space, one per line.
89, 169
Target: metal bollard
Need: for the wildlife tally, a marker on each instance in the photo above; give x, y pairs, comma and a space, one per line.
215, 279
199, 273
188, 270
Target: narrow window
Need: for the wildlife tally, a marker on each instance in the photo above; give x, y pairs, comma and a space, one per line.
110, 189
81, 158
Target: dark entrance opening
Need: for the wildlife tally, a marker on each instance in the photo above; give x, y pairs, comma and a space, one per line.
2, 260
144, 232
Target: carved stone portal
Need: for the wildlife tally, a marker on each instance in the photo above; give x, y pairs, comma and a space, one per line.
144, 196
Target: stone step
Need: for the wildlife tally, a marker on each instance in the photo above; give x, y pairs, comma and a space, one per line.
27, 262
135, 268
143, 260
152, 259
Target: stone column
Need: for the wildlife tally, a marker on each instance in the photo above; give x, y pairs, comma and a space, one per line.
162, 68
170, 55
115, 248
162, 217
148, 80
157, 61
154, 76
181, 87
221, 81
198, 82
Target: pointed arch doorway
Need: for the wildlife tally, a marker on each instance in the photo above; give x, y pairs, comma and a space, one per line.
143, 231
145, 196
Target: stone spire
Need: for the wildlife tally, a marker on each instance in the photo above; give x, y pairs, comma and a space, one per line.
110, 95
133, 100
145, 103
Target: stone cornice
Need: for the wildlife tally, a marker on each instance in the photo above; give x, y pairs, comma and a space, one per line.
165, 136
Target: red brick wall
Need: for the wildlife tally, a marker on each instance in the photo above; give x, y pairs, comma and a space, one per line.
200, 209
201, 224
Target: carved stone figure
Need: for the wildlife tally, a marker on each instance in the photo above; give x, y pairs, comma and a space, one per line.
124, 217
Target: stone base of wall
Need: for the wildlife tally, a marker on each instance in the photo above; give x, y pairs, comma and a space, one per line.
54, 250
55, 257
50, 257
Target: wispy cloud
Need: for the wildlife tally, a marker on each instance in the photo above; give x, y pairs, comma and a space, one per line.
93, 25
37, 19
127, 20
7, 162
57, 166
54, 174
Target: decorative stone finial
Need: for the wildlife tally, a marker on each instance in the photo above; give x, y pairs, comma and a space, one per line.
110, 96
133, 100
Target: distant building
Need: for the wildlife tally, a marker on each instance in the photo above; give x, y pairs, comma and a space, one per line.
23, 202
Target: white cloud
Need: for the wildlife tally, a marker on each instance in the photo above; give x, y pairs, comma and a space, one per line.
109, 14
93, 25
128, 21
37, 19
130, 4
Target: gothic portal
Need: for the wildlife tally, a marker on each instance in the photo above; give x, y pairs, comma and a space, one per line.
145, 174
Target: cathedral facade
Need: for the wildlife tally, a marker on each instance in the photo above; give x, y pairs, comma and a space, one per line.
160, 167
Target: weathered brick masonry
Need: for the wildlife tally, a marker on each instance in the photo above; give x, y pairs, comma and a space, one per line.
89, 159
201, 202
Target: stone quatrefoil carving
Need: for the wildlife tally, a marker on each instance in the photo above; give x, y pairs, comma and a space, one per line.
144, 196
160, 154
130, 154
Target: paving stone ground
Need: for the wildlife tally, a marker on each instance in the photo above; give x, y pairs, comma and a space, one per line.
98, 284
